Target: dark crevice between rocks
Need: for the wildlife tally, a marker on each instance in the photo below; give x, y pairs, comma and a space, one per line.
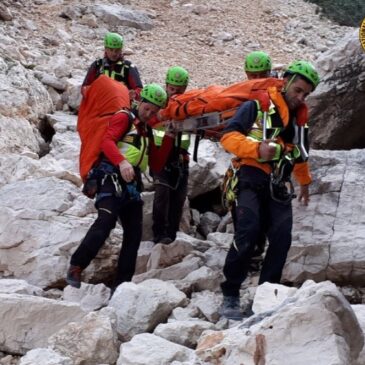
209, 202
47, 132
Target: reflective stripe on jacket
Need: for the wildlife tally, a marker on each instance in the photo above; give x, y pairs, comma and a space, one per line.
118, 73
159, 133
246, 145
133, 147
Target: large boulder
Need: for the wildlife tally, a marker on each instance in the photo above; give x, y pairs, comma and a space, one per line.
23, 103
140, 308
27, 321
21, 94
328, 234
92, 341
316, 325
337, 107
40, 230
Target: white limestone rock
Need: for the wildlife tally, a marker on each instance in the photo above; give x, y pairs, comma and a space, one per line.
209, 222
92, 341
190, 312
167, 255
44, 356
149, 349
39, 234
17, 286
328, 234
215, 257
27, 321
18, 135
144, 253
147, 197
220, 239
208, 304
342, 68
115, 15
174, 272
204, 279
268, 296
314, 326
140, 308
185, 333
90, 297
22, 97
206, 174
359, 310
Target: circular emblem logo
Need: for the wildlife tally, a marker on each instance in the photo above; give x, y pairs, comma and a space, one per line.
362, 34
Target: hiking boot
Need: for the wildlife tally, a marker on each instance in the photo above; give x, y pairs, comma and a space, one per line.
230, 308
74, 276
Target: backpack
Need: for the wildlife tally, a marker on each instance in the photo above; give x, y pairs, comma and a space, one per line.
102, 99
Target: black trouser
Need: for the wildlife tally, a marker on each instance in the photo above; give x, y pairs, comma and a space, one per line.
255, 206
111, 208
171, 188
261, 240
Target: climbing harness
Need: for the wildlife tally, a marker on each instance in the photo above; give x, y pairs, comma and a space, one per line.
230, 186
281, 186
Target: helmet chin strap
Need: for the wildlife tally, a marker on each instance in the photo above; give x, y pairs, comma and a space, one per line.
285, 89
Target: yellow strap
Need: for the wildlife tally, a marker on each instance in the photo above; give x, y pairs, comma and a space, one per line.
128, 139
280, 104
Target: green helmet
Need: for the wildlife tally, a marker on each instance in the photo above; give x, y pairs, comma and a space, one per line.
154, 94
113, 40
305, 69
177, 76
257, 61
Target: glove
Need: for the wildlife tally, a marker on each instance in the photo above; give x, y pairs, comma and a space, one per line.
126, 170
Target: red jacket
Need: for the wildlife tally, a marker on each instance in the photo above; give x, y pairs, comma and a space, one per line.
119, 126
